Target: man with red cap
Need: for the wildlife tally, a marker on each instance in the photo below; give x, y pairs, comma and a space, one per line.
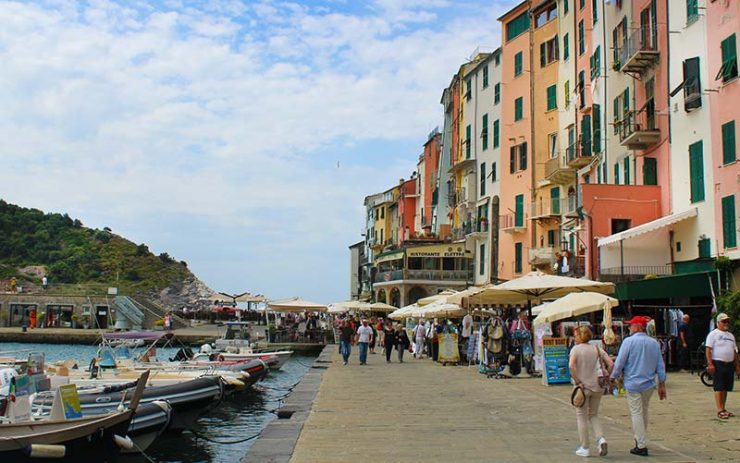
641, 361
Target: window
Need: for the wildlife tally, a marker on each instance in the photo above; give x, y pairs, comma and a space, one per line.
484, 132
551, 239
620, 225
565, 7
616, 174
485, 76
649, 171
597, 128
626, 170
619, 41
581, 89
496, 133
728, 143
595, 10
617, 118
497, 60
518, 157
581, 4
691, 85
696, 169
570, 150
468, 90
581, 39
546, 15
493, 172
729, 227
566, 46
549, 52
517, 64
467, 141
596, 63
555, 200
729, 59
382, 213
483, 179
586, 136
497, 94
523, 156
517, 257
552, 97
705, 247
519, 211
692, 11
517, 26
566, 90
518, 109
482, 260
553, 144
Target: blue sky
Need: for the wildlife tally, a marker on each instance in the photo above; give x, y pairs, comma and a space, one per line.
240, 137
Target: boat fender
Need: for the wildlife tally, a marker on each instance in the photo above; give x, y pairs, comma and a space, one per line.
220, 358
124, 442
163, 404
45, 451
245, 374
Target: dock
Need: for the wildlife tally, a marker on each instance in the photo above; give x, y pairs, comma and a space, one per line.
423, 411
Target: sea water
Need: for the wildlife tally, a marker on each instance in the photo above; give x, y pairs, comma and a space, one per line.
236, 418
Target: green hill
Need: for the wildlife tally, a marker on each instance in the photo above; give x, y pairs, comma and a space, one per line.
72, 253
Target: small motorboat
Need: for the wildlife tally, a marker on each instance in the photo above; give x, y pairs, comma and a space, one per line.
236, 345
149, 422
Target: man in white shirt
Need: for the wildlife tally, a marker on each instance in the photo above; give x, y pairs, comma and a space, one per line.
364, 337
467, 331
722, 363
419, 335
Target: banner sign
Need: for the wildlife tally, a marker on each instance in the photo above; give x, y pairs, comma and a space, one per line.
555, 351
70, 401
448, 350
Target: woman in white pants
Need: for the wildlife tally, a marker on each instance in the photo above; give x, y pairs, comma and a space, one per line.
419, 334
584, 372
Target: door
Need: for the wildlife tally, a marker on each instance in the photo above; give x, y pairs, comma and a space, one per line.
101, 317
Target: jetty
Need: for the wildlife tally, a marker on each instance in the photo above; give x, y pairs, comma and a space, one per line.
423, 411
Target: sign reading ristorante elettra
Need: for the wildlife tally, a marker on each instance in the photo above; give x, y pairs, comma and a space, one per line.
442, 250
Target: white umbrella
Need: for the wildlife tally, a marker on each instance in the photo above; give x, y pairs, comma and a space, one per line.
382, 307
295, 304
437, 297
572, 305
403, 312
346, 306
439, 309
243, 297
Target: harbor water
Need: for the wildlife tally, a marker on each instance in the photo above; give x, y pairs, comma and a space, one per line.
234, 419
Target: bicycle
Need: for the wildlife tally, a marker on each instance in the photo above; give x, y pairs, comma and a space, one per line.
704, 375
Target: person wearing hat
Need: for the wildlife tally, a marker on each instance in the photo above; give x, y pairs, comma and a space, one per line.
722, 363
364, 336
640, 359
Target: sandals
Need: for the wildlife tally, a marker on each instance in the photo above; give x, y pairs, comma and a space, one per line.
724, 414
730, 414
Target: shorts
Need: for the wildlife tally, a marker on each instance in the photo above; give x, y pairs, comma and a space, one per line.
724, 376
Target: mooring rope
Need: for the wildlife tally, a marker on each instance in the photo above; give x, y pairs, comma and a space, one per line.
220, 442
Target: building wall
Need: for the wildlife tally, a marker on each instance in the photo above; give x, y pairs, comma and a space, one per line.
407, 210
428, 175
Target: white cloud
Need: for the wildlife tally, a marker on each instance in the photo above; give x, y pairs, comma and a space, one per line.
127, 114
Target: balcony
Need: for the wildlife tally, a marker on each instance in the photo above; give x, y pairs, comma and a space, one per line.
637, 131
639, 52
542, 256
547, 209
577, 156
511, 223
558, 172
433, 275
479, 231
633, 273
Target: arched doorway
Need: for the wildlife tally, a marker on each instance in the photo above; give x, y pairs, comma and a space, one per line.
416, 293
395, 297
381, 296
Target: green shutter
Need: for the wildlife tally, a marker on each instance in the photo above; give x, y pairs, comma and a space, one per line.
595, 10
468, 141
552, 97
551, 238
626, 102
495, 134
566, 46
597, 62
728, 142
729, 59
696, 166
566, 90
518, 109
484, 132
649, 171
517, 64
512, 159
597, 128
482, 178
627, 171
497, 93
555, 200
518, 257
519, 211
581, 39
517, 26
586, 136
617, 106
692, 10
729, 227
485, 76
616, 174
523, 156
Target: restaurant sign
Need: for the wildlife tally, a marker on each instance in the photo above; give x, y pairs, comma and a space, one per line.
440, 250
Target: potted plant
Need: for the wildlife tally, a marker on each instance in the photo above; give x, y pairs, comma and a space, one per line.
159, 324
85, 321
75, 319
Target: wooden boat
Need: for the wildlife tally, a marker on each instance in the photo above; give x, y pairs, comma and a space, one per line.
79, 440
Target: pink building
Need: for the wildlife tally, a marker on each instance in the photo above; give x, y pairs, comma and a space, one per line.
406, 210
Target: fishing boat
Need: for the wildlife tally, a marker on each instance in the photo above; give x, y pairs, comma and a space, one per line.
86, 439
236, 345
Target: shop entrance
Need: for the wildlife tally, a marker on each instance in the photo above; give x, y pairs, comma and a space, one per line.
59, 315
20, 314
101, 316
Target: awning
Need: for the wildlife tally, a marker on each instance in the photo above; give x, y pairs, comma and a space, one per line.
700, 284
647, 227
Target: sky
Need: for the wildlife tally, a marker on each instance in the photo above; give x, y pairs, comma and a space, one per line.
238, 136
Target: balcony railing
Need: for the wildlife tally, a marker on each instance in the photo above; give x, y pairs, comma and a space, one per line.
557, 171
434, 275
634, 272
639, 51
638, 129
553, 207
513, 223
577, 156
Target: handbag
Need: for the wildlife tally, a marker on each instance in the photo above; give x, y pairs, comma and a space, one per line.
605, 382
577, 397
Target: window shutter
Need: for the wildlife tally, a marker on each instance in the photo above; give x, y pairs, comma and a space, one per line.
729, 227
495, 134
523, 156
586, 136
627, 171
519, 211
518, 257
626, 102
728, 143
566, 46
483, 179
555, 200
649, 171
696, 166
616, 174
691, 84
484, 132
467, 141
543, 54
512, 159
597, 128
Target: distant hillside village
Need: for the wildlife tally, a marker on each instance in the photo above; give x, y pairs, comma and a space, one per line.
579, 147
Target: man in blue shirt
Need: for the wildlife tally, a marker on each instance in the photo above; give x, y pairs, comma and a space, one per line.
641, 361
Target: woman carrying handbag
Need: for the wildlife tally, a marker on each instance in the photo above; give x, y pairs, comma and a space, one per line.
588, 366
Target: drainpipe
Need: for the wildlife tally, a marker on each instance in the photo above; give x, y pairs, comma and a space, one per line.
494, 238
531, 148
621, 258
671, 238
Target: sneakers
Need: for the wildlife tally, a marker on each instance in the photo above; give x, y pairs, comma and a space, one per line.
602, 447
581, 452
345, 362
643, 452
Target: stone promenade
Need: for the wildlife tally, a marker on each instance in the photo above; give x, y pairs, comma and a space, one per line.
422, 411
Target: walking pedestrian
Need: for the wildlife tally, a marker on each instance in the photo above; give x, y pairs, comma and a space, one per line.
375, 335
402, 341
419, 333
345, 340
389, 341
364, 336
640, 359
585, 363
685, 343
722, 363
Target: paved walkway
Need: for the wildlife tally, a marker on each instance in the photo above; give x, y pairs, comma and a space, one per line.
421, 411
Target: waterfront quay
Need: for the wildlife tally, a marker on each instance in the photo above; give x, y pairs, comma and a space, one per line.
423, 411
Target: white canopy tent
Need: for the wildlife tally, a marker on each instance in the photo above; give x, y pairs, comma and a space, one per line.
572, 305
